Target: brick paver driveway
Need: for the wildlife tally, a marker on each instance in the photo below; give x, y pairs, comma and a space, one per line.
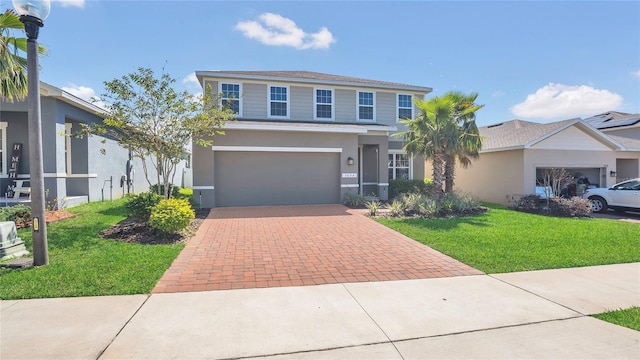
253, 247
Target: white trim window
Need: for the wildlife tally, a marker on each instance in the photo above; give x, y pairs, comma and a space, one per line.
3, 148
405, 106
366, 106
67, 147
278, 102
399, 166
323, 103
231, 96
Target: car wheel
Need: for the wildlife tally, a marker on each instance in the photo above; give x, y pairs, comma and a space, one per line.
598, 204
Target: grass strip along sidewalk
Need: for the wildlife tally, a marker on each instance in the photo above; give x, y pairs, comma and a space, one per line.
83, 264
629, 318
503, 240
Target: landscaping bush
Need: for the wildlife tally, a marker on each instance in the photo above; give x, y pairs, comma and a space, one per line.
573, 207
400, 187
428, 208
171, 215
397, 208
20, 214
417, 204
140, 206
373, 207
528, 203
355, 201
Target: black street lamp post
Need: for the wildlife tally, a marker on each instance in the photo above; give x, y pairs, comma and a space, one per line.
32, 13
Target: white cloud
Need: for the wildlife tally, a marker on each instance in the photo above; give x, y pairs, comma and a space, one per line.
191, 80
85, 93
70, 3
566, 101
498, 93
636, 73
276, 30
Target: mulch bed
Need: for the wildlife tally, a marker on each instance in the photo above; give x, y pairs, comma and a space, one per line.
132, 231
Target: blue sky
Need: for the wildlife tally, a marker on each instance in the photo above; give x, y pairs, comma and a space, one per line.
537, 61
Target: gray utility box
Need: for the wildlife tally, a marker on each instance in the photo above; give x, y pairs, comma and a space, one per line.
10, 244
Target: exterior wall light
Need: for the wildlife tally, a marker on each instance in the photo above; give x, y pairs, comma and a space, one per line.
350, 160
613, 173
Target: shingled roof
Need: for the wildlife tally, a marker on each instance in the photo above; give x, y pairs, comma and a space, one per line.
311, 77
516, 133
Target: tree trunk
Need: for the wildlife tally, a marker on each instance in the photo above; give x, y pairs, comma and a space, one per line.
449, 173
438, 175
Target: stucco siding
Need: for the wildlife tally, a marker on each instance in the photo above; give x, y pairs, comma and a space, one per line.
494, 177
254, 101
301, 103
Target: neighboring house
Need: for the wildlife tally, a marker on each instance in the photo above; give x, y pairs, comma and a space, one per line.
304, 138
516, 152
75, 170
624, 128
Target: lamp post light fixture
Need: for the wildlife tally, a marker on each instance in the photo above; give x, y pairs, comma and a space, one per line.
32, 13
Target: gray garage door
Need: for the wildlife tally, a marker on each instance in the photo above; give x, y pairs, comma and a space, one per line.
276, 178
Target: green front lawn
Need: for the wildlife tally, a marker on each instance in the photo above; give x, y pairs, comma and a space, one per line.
83, 264
628, 318
502, 240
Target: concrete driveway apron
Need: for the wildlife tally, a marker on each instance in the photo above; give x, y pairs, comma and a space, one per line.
273, 246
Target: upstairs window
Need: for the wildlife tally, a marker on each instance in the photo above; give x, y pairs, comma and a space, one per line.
365, 106
231, 96
324, 104
278, 101
405, 106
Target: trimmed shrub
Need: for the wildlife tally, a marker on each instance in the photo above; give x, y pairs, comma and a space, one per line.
171, 215
400, 187
186, 193
19, 214
573, 207
528, 203
140, 206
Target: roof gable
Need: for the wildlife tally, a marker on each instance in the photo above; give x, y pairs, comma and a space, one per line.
518, 134
571, 138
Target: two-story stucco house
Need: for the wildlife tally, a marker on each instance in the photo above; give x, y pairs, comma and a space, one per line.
304, 138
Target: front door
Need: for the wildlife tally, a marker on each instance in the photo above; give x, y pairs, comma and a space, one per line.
369, 176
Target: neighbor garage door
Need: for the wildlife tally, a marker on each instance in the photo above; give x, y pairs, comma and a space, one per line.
276, 178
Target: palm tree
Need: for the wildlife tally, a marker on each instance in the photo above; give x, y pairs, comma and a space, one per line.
466, 144
13, 66
430, 134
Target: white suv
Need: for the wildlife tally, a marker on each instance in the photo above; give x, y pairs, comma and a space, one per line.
621, 196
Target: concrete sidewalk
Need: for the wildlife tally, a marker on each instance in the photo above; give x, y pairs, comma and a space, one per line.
538, 314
